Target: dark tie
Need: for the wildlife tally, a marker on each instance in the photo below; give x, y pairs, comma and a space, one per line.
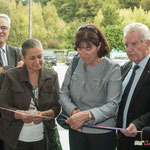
125, 94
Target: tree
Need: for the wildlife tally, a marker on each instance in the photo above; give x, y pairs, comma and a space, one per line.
145, 4
114, 35
53, 24
87, 10
43, 2
19, 25
82, 10
5, 7
110, 17
135, 15
69, 34
129, 3
38, 28
66, 9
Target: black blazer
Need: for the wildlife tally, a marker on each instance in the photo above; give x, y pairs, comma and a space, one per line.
140, 101
13, 57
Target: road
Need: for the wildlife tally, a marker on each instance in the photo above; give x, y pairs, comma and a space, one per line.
61, 70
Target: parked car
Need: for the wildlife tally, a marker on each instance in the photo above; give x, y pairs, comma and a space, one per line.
50, 58
118, 54
69, 57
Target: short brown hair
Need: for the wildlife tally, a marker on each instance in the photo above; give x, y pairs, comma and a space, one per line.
91, 34
30, 43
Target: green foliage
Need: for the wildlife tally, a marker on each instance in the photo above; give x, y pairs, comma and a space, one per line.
4, 7
81, 10
110, 14
19, 25
130, 3
38, 29
145, 4
47, 64
114, 35
46, 25
43, 2
136, 15
66, 9
69, 34
87, 10
53, 31
54, 26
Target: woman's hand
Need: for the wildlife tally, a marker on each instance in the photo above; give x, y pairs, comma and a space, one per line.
75, 111
77, 120
23, 115
37, 119
47, 113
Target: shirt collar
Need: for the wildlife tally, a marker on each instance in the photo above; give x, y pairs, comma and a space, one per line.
143, 63
4, 48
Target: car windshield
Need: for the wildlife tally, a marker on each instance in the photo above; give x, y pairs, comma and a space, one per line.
71, 54
49, 54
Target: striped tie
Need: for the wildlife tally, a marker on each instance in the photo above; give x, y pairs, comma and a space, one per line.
4, 57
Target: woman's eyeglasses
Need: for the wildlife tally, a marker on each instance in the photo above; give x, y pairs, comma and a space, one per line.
87, 27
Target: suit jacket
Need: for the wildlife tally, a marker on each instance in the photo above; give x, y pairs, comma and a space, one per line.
140, 101
13, 57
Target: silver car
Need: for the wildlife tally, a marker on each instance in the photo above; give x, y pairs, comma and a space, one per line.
69, 57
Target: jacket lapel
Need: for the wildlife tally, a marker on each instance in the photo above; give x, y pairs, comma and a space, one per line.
142, 81
125, 69
8, 52
1, 63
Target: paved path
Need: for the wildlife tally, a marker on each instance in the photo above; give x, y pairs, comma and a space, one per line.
61, 70
64, 138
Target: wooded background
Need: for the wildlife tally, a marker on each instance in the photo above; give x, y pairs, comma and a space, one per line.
54, 22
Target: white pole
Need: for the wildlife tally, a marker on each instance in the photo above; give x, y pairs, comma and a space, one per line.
30, 19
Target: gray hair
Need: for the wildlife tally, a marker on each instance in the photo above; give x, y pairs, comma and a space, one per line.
142, 29
6, 18
30, 43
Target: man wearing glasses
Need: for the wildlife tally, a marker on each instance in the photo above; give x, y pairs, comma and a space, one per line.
9, 55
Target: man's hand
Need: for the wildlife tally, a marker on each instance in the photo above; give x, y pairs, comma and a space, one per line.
131, 131
19, 64
2, 70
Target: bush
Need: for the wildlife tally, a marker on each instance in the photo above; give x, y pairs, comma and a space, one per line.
114, 35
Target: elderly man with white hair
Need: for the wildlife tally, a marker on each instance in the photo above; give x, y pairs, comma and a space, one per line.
136, 85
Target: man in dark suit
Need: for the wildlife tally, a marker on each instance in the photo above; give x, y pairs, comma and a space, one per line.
136, 85
9, 55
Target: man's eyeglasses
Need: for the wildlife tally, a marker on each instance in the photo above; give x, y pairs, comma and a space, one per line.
4, 28
87, 27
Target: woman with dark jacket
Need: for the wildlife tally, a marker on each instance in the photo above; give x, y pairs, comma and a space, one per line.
31, 89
